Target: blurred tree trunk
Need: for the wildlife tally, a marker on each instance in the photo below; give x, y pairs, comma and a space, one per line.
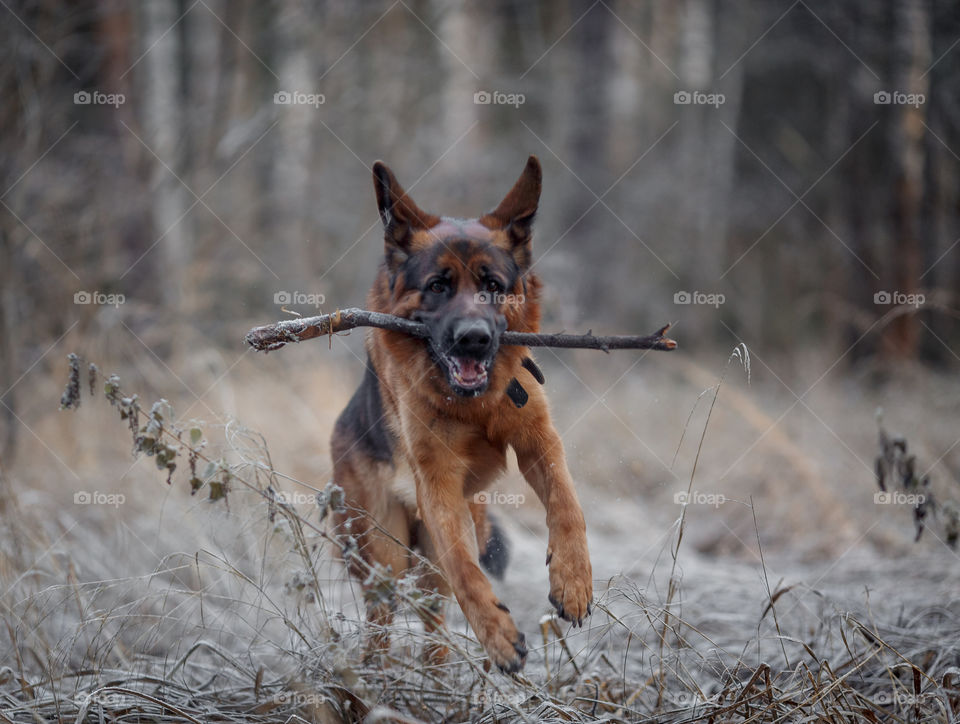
941, 230
844, 118
592, 63
203, 83
635, 74
911, 50
588, 152
290, 186
9, 290
698, 126
163, 129
707, 141
459, 84
113, 32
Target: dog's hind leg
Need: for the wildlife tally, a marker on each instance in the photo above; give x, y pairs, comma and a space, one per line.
491, 541
374, 531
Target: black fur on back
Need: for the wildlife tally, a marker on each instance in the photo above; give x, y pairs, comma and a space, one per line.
362, 419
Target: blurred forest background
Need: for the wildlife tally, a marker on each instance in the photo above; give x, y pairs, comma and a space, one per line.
783, 173
198, 197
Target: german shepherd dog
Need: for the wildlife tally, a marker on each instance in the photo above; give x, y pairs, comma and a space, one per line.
430, 424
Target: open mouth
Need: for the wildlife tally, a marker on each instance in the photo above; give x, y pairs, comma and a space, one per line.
467, 376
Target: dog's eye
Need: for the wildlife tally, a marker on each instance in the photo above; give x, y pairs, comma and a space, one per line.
492, 285
438, 286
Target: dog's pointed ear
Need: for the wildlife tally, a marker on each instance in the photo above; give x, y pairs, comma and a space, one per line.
399, 214
516, 212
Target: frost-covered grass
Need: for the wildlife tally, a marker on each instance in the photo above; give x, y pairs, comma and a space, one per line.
794, 599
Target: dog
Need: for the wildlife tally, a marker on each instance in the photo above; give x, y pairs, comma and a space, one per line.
429, 426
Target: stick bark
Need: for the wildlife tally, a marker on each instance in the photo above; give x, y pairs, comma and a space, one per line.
270, 337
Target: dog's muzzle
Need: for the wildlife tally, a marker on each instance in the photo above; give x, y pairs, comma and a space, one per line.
467, 349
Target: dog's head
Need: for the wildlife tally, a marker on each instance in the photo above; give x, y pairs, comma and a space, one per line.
466, 279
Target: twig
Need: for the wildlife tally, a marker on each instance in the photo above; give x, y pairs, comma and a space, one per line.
274, 336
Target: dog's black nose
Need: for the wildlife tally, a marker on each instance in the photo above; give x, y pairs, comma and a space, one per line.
472, 337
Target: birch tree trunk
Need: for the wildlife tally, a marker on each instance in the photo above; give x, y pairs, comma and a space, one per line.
290, 174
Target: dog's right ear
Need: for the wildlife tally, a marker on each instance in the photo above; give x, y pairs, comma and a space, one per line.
400, 215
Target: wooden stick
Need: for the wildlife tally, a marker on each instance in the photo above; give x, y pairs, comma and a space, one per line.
274, 336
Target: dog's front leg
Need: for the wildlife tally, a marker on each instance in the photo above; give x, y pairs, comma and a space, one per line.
542, 462
448, 521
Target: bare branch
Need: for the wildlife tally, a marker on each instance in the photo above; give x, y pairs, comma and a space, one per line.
274, 336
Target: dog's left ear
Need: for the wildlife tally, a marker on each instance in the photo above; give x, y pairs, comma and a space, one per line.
515, 213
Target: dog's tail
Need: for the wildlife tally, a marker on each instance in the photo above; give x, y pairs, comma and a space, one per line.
495, 550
